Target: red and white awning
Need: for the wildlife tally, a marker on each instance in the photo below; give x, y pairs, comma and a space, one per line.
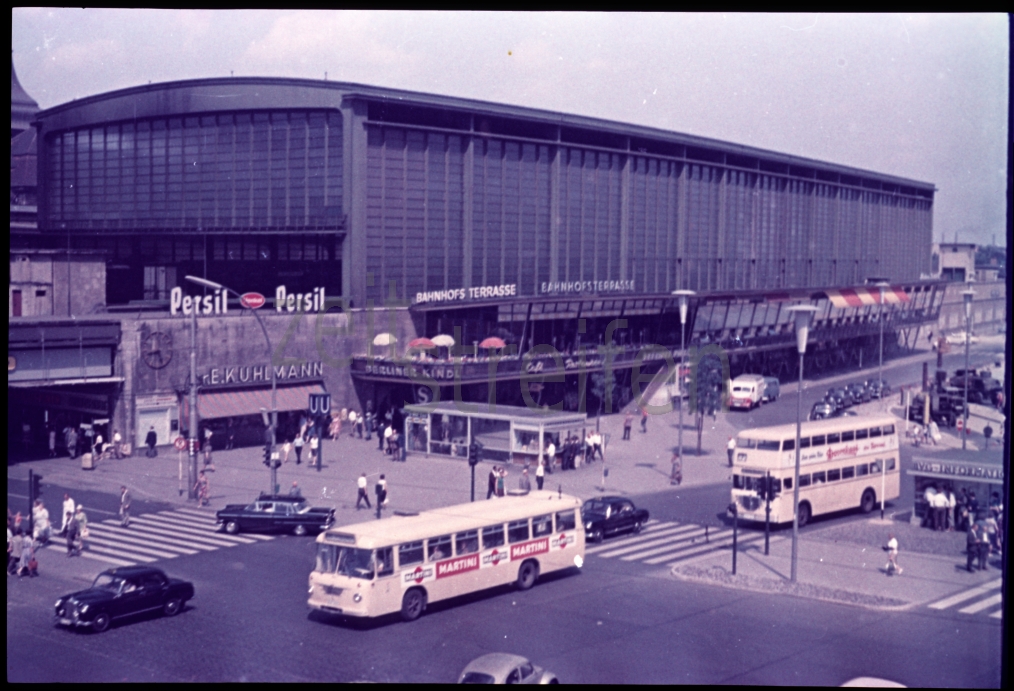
857, 297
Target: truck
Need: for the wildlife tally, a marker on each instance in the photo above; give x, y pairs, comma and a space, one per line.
947, 404
746, 391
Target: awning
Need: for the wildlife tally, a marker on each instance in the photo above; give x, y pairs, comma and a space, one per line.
215, 404
857, 297
956, 478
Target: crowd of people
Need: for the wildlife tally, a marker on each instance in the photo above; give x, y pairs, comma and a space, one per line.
22, 541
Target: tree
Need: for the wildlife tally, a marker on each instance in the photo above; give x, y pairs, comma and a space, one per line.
709, 370
604, 386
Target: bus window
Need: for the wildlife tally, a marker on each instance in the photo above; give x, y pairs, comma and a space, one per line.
818, 477
466, 542
888, 429
875, 466
861, 434
787, 483
848, 436
410, 553
742, 443
565, 521
875, 432
737, 482
890, 464
492, 536
789, 445
804, 442
848, 472
817, 440
804, 480
834, 475
517, 531
439, 547
542, 525
385, 561
767, 446
833, 438
862, 469
326, 559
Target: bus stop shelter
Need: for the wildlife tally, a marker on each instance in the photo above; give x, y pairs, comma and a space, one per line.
510, 434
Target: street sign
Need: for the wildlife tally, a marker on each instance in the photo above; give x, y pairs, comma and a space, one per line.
320, 403
180, 444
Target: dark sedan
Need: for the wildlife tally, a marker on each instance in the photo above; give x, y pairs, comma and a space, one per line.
275, 513
121, 592
821, 410
860, 393
611, 515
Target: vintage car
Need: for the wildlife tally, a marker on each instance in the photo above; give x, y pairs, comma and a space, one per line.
275, 513
504, 668
605, 516
121, 592
821, 410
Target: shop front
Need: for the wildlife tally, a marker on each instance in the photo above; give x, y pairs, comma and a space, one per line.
981, 477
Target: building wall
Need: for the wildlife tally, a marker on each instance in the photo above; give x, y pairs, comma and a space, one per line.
50, 285
989, 308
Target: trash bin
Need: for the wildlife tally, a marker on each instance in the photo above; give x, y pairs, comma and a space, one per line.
86, 462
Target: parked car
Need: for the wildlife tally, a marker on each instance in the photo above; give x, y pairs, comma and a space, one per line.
838, 398
860, 394
275, 513
772, 389
980, 389
844, 412
504, 668
878, 388
606, 516
959, 338
121, 592
821, 410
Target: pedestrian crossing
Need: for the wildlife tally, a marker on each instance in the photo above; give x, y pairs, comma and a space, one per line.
663, 542
154, 536
975, 600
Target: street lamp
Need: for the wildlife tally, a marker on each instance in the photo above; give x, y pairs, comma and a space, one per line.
967, 296
274, 379
882, 285
684, 299
801, 315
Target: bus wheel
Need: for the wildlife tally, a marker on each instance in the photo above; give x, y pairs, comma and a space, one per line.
804, 514
412, 604
868, 502
527, 575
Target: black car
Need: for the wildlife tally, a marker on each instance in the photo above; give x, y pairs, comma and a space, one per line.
860, 394
821, 410
878, 388
120, 593
611, 515
837, 398
275, 513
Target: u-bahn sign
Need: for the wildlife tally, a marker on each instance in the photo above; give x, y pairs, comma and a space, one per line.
320, 403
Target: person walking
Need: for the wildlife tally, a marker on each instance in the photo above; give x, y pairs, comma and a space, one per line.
380, 489
41, 526
361, 494
151, 441
117, 444
540, 474
286, 450
315, 451
971, 546
524, 484
71, 533
81, 518
381, 430
731, 449
501, 482
388, 434
71, 440
368, 424
550, 455
52, 442
124, 506
493, 473
597, 444
27, 555
952, 506
202, 488
628, 422
892, 555
68, 513
644, 421
208, 465
297, 444
677, 470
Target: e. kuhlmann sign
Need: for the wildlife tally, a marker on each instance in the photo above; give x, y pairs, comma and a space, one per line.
259, 374
217, 304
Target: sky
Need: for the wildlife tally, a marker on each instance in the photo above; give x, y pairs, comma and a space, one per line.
920, 96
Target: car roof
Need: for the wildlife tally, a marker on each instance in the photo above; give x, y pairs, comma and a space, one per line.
133, 571
495, 663
279, 497
610, 497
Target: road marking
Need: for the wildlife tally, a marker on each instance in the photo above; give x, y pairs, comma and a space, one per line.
998, 614
967, 595
124, 535
203, 526
198, 541
979, 606
220, 540
142, 531
683, 554
143, 550
645, 535
687, 539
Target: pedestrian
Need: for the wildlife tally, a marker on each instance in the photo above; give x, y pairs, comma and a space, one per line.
644, 420
81, 518
493, 473
71, 533
40, 522
961, 515
368, 424
286, 450
27, 554
381, 431
550, 455
117, 444
13, 551
357, 423
124, 506
68, 512
202, 488
524, 484
297, 444
71, 440
52, 442
677, 470
151, 441
208, 465
540, 474
599, 444
231, 441
952, 505
335, 428
361, 494
294, 491
892, 555
388, 433
731, 449
628, 422
971, 546
380, 489
96, 446
501, 482
992, 532
315, 450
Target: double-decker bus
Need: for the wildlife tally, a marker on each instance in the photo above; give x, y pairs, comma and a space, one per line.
846, 462
404, 562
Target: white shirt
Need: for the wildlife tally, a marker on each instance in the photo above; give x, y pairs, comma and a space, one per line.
361, 482
314, 442
352, 416
117, 438
731, 445
68, 507
952, 501
388, 431
892, 544
540, 470
551, 451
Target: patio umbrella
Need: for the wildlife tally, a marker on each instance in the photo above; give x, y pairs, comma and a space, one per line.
492, 342
384, 339
421, 343
443, 340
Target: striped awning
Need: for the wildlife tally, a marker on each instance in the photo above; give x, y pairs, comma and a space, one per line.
216, 404
869, 295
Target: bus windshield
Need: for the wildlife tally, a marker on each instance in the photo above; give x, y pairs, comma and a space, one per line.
345, 561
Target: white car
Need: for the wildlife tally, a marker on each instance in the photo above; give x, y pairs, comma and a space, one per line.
958, 338
504, 668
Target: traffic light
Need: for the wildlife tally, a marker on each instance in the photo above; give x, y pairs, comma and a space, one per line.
267, 455
474, 453
35, 490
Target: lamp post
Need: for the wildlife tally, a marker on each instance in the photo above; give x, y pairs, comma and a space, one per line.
801, 315
967, 296
684, 299
274, 379
194, 421
882, 285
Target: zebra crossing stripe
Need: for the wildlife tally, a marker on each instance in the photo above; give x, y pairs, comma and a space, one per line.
983, 604
207, 527
194, 533
96, 540
199, 541
682, 554
143, 532
194, 512
967, 595
668, 545
109, 560
124, 535
638, 540
998, 614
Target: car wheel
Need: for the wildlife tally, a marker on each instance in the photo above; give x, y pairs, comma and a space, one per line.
412, 604
868, 501
596, 535
527, 575
637, 527
101, 622
232, 527
299, 530
804, 514
172, 607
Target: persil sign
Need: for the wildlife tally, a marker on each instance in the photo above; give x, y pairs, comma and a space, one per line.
218, 303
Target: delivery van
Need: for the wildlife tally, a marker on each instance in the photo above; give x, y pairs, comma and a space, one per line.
746, 391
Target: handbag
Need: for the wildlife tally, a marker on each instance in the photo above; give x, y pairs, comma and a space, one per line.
84, 533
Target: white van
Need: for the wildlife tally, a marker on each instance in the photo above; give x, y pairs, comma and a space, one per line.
746, 390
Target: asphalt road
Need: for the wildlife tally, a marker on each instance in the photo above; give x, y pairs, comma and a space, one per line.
613, 622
